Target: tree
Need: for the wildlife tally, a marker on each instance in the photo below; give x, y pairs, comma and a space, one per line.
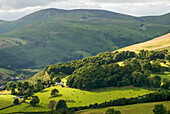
54, 92
61, 104
13, 91
16, 101
112, 111
35, 100
10, 85
38, 86
52, 104
166, 84
25, 85
57, 79
160, 109
19, 84
167, 57
52, 75
63, 111
157, 81
117, 112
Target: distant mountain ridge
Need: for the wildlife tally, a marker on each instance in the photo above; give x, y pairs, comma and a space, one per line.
51, 36
52, 14
163, 19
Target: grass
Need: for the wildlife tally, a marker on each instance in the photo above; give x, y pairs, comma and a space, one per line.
32, 70
6, 100
142, 108
7, 71
44, 77
162, 42
8, 42
85, 54
76, 97
162, 75
5, 92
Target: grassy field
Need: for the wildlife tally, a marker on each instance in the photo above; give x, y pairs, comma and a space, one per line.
32, 70
162, 42
7, 71
76, 97
163, 75
6, 100
143, 108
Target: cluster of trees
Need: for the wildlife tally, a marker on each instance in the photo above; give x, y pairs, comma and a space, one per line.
103, 58
152, 55
60, 107
8, 59
54, 92
112, 111
102, 70
160, 109
134, 72
152, 97
34, 101
24, 88
16, 101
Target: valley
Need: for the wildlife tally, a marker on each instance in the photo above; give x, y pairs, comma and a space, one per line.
91, 60
61, 36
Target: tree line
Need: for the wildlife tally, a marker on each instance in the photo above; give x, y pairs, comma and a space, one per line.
103, 70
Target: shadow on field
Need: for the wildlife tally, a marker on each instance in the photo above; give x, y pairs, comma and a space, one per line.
37, 106
43, 91
55, 96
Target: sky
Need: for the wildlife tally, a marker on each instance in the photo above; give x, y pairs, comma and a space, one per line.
15, 9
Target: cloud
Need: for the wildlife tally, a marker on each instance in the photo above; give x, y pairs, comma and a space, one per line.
130, 1
139, 8
14, 9
8, 5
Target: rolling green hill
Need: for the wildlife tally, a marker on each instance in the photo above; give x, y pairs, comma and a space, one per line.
3, 77
109, 70
158, 19
51, 36
75, 97
143, 108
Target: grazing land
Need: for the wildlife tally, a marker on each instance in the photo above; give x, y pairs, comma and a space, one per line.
76, 97
142, 108
9, 72
162, 42
6, 100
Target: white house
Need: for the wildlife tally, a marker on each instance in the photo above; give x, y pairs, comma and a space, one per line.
57, 83
17, 78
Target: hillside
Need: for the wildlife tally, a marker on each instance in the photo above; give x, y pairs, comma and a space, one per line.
81, 67
52, 36
143, 108
162, 42
76, 97
107, 79
163, 19
3, 77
